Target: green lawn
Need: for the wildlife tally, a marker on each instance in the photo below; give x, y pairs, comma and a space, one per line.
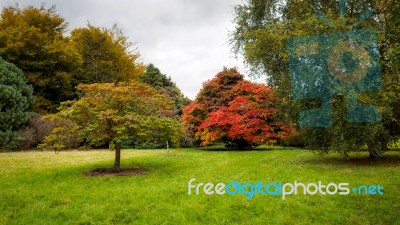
47, 188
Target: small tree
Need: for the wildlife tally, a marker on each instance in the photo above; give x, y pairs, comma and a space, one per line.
15, 100
111, 113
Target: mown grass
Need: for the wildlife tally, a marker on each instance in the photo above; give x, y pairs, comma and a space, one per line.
48, 188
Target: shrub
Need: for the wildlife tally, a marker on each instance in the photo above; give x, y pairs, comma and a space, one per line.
62, 136
35, 132
296, 139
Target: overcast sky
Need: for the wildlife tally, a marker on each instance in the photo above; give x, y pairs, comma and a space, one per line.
186, 39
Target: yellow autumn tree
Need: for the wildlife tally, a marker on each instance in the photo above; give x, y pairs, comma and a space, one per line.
111, 113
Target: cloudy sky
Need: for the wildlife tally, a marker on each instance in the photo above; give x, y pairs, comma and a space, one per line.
186, 39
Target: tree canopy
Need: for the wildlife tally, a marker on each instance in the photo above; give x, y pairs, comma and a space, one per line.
33, 39
107, 55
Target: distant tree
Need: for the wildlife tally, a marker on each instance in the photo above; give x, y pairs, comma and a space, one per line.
107, 55
33, 39
155, 78
111, 113
239, 113
15, 101
159, 81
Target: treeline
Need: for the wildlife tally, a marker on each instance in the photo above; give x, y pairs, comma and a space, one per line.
55, 62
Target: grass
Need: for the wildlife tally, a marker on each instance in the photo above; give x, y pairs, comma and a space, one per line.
47, 188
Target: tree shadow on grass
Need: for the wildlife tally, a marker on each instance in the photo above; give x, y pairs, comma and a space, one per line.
219, 148
357, 160
135, 168
235, 150
117, 172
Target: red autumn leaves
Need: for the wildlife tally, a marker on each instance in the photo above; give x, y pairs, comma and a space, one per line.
238, 112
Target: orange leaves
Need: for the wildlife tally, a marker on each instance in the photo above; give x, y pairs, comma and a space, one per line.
126, 96
242, 111
193, 113
218, 91
111, 112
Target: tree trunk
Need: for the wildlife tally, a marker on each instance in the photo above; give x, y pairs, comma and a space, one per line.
167, 148
117, 156
374, 152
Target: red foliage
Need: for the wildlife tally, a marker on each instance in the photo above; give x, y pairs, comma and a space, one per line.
193, 113
217, 91
244, 111
249, 116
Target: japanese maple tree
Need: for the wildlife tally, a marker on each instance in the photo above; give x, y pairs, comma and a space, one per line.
110, 113
240, 114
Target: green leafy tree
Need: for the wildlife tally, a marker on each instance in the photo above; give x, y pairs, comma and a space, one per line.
264, 26
156, 79
107, 55
111, 113
33, 39
389, 12
15, 101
